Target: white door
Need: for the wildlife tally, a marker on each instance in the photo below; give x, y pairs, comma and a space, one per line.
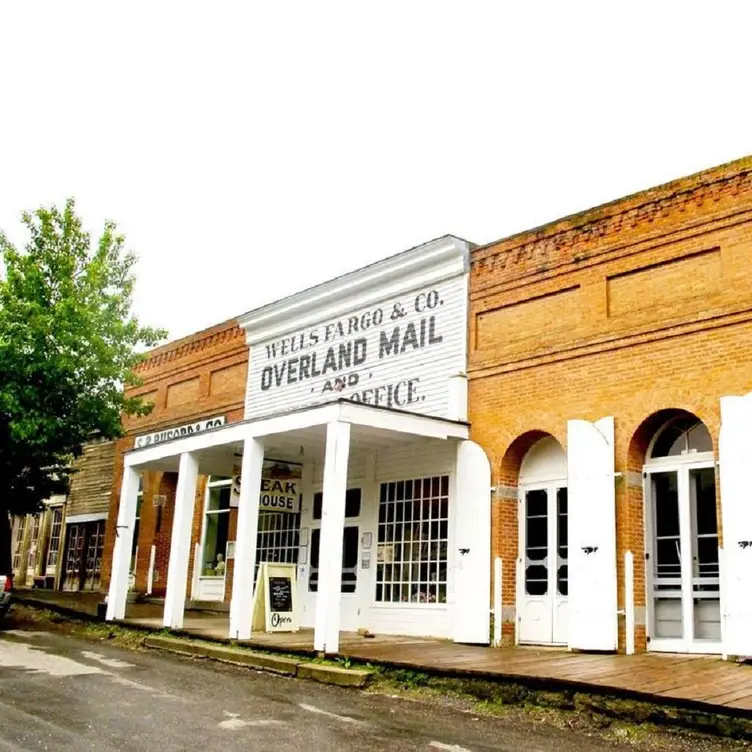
682, 559
592, 535
472, 515
350, 601
544, 564
736, 512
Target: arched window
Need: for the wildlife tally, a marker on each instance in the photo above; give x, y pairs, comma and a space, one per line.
683, 435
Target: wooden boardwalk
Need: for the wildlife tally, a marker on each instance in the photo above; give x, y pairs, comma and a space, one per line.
704, 682
707, 683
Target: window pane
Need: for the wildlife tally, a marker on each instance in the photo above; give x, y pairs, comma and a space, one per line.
536, 542
277, 538
219, 498
352, 503
215, 543
666, 504
350, 536
412, 541
318, 503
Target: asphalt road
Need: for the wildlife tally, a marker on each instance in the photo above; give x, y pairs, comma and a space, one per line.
59, 692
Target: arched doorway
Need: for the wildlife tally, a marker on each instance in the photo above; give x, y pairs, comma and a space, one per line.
543, 534
683, 574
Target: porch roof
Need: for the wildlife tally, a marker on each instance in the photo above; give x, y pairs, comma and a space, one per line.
288, 435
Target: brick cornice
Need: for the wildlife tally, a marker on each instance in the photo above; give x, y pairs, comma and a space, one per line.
190, 346
576, 238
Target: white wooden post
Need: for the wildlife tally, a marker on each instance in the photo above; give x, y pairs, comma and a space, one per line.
150, 574
241, 605
497, 601
722, 595
328, 598
180, 544
629, 604
121, 556
520, 582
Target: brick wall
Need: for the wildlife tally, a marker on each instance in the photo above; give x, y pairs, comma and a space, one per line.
629, 310
197, 377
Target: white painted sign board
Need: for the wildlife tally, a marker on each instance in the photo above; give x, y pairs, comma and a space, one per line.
177, 432
275, 598
400, 353
280, 487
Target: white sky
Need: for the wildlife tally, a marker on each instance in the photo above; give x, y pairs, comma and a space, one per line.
249, 150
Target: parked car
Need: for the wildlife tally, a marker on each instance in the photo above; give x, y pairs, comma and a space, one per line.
6, 593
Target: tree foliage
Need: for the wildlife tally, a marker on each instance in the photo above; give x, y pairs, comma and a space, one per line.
69, 343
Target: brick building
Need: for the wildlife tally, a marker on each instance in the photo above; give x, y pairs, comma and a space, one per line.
607, 350
190, 381
590, 372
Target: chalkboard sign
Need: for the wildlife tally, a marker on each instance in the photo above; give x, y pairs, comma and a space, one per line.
274, 600
280, 594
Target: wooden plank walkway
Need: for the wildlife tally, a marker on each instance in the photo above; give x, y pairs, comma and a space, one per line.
704, 682
707, 683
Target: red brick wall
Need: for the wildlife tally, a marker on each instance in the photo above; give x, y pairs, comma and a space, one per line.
641, 306
193, 378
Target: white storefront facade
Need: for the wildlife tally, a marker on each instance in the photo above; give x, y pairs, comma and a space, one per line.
360, 382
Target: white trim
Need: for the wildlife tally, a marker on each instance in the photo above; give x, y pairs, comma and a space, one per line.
73, 519
429, 263
682, 465
342, 411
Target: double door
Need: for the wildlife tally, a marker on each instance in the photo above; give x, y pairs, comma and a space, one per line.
543, 565
682, 559
83, 556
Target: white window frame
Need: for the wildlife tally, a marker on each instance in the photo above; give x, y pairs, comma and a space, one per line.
202, 580
51, 569
136, 532
681, 465
19, 533
447, 582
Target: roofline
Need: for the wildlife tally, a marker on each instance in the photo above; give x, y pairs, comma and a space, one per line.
573, 221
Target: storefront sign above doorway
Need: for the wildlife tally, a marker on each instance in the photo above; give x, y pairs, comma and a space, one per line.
188, 429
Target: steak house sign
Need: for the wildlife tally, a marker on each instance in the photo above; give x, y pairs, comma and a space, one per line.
389, 355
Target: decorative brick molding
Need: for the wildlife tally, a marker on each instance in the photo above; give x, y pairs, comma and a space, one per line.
576, 238
193, 345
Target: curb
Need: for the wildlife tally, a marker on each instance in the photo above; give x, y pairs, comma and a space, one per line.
572, 694
340, 677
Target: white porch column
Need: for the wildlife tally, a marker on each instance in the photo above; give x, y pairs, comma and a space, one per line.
180, 545
241, 605
326, 635
121, 556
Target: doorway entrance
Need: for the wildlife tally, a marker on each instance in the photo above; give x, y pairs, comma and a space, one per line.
683, 570
543, 582
83, 555
350, 605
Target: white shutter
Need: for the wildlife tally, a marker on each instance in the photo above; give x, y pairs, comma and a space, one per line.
735, 456
592, 535
472, 554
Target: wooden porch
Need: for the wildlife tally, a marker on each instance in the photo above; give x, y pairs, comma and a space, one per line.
703, 682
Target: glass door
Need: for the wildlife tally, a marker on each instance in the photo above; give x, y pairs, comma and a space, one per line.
545, 571
706, 581
350, 602
682, 559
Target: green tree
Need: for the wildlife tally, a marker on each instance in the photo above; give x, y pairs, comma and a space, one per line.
68, 347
